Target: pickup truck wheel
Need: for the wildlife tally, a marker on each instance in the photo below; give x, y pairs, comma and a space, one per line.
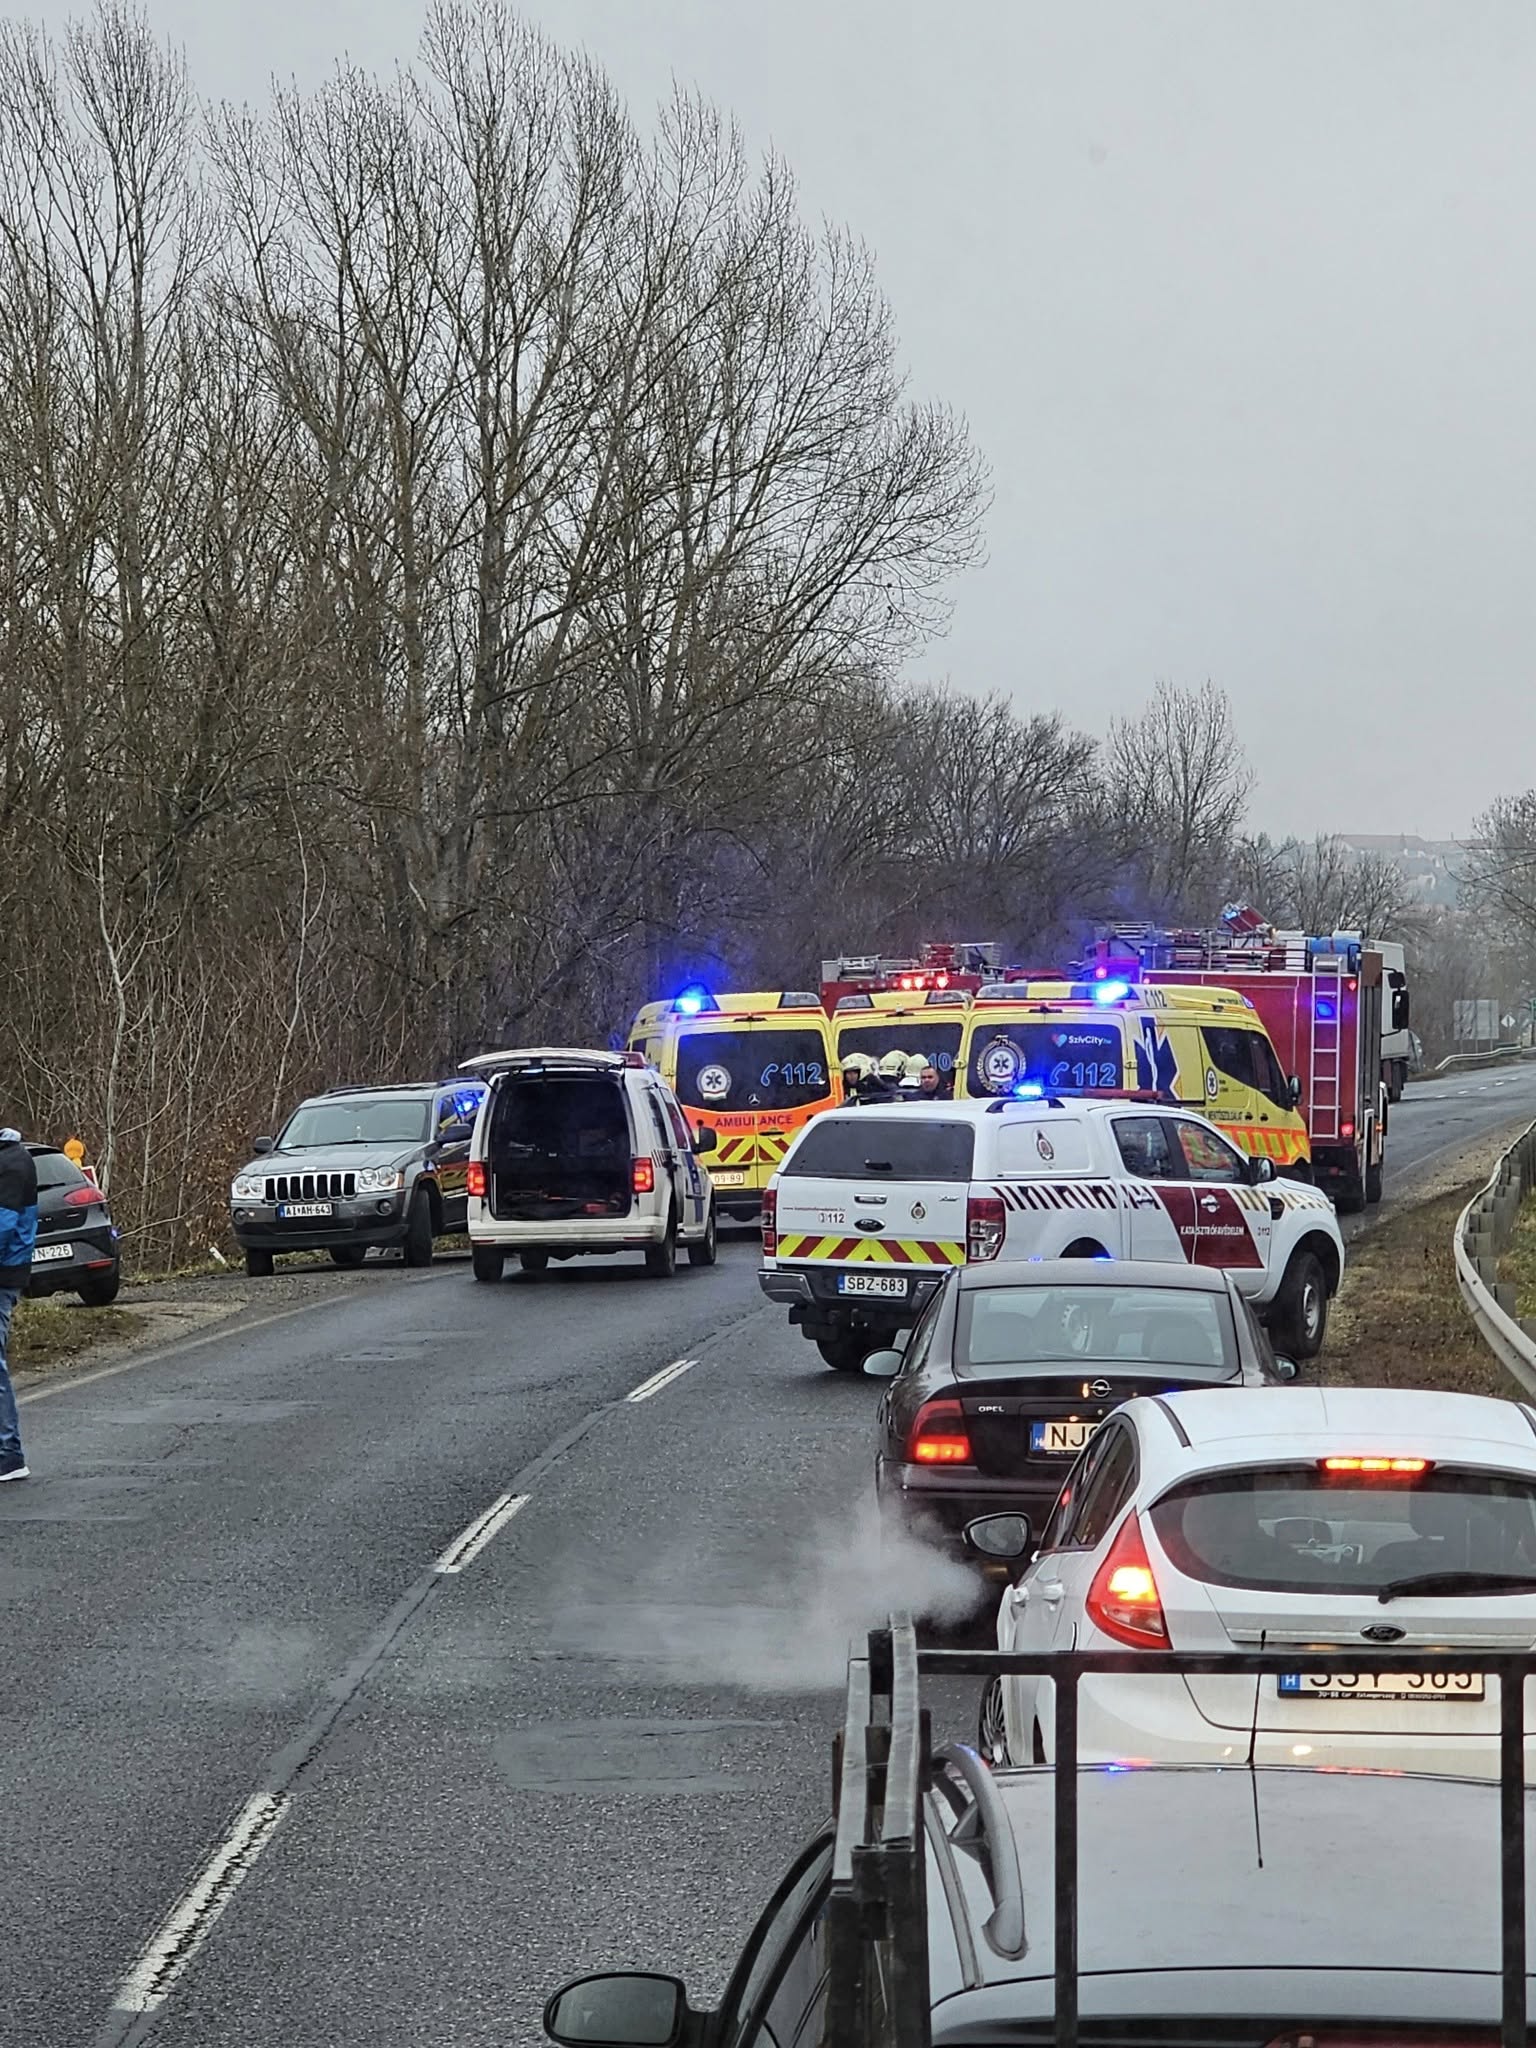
259, 1265
486, 1261
661, 1259
846, 1351
707, 1250
1085, 1248
418, 1230
1299, 1319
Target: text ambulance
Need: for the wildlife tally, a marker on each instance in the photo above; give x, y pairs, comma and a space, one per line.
752, 1067
1204, 1048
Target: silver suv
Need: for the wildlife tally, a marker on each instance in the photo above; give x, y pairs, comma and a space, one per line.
357, 1167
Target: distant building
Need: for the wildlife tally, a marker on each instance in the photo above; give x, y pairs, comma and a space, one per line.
1433, 867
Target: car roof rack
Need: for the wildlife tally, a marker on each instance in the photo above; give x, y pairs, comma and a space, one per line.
877, 1915
378, 1087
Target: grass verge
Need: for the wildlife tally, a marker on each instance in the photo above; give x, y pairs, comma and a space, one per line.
1517, 1264
51, 1333
1398, 1320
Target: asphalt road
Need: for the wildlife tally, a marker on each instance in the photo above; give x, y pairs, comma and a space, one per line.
272, 1775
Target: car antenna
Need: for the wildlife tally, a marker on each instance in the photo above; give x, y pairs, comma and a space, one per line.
1253, 1743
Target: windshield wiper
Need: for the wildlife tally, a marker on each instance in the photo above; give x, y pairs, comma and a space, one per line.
1459, 1582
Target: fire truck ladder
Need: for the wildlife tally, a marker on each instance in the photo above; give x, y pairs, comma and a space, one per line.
1327, 1044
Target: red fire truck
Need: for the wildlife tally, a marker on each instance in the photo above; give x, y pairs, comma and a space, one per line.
957, 966
1320, 1000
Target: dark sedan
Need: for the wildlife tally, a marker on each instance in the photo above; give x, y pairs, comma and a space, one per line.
77, 1246
1012, 1369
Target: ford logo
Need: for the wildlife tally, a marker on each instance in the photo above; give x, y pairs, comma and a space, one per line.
1383, 1632
869, 1223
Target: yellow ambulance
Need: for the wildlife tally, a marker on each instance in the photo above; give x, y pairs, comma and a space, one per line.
928, 1024
1203, 1048
753, 1068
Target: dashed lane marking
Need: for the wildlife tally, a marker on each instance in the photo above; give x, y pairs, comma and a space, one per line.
192, 1919
661, 1379
464, 1549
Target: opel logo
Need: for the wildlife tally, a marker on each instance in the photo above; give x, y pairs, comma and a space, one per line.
1383, 1632
1098, 1388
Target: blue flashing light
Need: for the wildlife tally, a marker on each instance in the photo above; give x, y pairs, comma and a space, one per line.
1111, 991
1029, 1090
691, 1001
1326, 1009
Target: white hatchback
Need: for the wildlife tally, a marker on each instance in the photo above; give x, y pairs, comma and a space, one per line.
1296, 1517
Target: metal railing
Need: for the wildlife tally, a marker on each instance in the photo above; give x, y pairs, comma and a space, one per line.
877, 1913
1483, 1230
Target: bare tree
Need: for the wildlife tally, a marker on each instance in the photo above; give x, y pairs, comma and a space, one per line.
1182, 781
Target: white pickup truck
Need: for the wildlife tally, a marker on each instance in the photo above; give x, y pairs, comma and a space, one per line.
873, 1205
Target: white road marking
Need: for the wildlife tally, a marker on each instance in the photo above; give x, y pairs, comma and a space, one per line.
191, 1920
661, 1379
466, 1548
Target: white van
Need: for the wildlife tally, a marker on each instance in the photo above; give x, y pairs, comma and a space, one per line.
579, 1152
874, 1205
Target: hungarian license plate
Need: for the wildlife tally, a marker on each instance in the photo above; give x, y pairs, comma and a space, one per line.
1060, 1438
1381, 1685
295, 1209
873, 1283
47, 1254
728, 1177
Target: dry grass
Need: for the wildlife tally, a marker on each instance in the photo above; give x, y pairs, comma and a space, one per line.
1518, 1262
1399, 1319
55, 1332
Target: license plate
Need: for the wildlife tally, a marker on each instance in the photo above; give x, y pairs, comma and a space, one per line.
286, 1209
1381, 1685
1060, 1438
731, 1177
872, 1283
46, 1254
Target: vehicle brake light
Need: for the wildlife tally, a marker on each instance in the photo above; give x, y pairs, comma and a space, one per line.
986, 1224
643, 1176
1347, 1128
770, 1222
1388, 1468
474, 1180
938, 1435
82, 1198
1123, 1600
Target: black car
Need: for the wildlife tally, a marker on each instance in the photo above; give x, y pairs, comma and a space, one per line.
77, 1243
357, 1167
1012, 1369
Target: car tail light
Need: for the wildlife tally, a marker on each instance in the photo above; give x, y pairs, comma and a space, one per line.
770, 1222
82, 1198
985, 1224
474, 1180
1347, 1130
938, 1435
1377, 1468
642, 1176
1123, 1600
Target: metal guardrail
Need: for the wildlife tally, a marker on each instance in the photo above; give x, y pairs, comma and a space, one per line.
1496, 1056
1483, 1230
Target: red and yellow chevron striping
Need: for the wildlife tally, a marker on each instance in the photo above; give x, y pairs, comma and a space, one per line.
872, 1251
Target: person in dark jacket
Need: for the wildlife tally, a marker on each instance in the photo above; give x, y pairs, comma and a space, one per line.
18, 1232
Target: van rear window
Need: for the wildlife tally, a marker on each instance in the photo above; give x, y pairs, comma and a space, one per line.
864, 1145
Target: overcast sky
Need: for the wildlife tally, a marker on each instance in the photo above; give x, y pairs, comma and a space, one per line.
1238, 296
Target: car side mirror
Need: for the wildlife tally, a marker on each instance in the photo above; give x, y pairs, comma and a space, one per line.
1004, 1536
1260, 1171
883, 1365
1293, 1089
1287, 1368
455, 1134
625, 2009
705, 1140
260, 1146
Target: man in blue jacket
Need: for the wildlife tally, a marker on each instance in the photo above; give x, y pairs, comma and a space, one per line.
18, 1232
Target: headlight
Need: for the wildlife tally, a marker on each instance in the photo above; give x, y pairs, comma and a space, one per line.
248, 1187
379, 1180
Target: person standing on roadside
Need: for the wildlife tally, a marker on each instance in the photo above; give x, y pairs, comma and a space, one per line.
18, 1230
